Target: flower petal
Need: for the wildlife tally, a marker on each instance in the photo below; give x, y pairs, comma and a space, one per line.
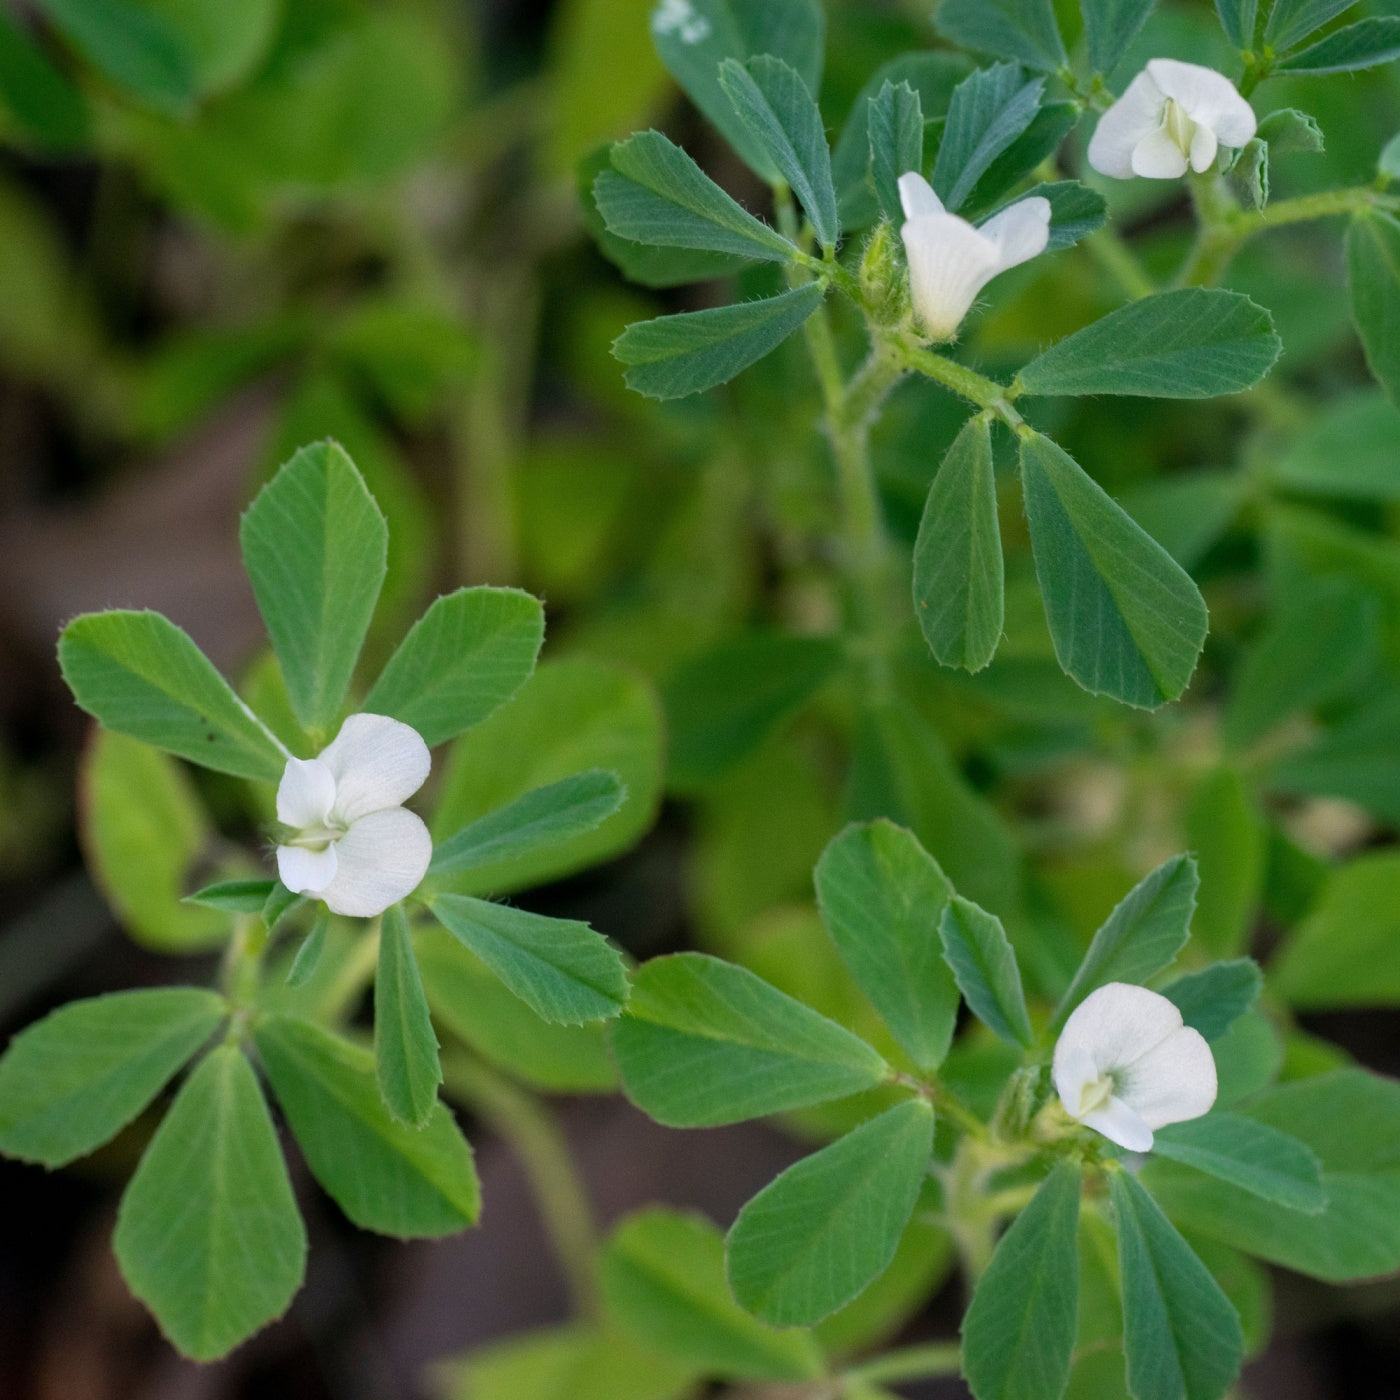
1074, 1071
949, 263
1174, 1081
1133, 116
378, 762
1158, 157
917, 196
1203, 149
305, 794
1020, 231
1207, 97
1119, 1122
306, 872
383, 858
1117, 1025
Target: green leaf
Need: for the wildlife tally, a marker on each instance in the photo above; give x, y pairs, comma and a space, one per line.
780, 115
723, 702
1019, 1332
704, 1042
571, 715
135, 46
1254, 1156
470, 1003
1146, 930
1214, 998
405, 1047
1356, 761
1110, 26
1351, 1121
279, 903
1195, 343
560, 968
1347, 951
693, 39
208, 1234
44, 103
1036, 144
1226, 829
139, 674
224, 42
958, 575
234, 896
823, 1230
542, 817
414, 1183
984, 966
656, 194
672, 356
662, 1279
1237, 19
881, 896
1289, 130
1388, 162
895, 121
1021, 29
1125, 619
1364, 44
989, 110
1180, 1332
1075, 211
1373, 273
465, 657
1344, 449
315, 545
1187, 512
70, 1082
308, 958
144, 829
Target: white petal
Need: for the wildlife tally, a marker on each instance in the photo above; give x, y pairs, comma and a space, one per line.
1136, 113
306, 872
1158, 157
1117, 1025
1074, 1071
1207, 97
949, 263
378, 762
1120, 1123
383, 858
1174, 1081
917, 196
1203, 149
305, 794
1020, 231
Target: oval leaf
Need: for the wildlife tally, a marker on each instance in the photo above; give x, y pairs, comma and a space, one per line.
984, 965
1253, 1155
405, 1048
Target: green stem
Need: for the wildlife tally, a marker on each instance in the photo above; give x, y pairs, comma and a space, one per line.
986, 393
1108, 249
908, 1364
535, 1137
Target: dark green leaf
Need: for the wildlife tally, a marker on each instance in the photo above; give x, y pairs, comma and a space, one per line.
1361, 45
44, 103
988, 111
984, 965
315, 545
208, 1235
1021, 29
1261, 1159
1110, 26
958, 575
139, 674
410, 1182
1181, 1334
895, 121
1195, 343
1019, 1332
279, 903
1237, 19
881, 897
70, 1082
1125, 619
1075, 211
1214, 998
672, 356
308, 957
1146, 930
405, 1047
234, 896
779, 113
1373, 272
1036, 144
655, 193
704, 1042
824, 1229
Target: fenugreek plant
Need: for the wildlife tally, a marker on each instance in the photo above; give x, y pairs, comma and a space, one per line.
1103, 1125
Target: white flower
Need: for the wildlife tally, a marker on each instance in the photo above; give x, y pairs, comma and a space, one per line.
355, 846
950, 260
1171, 116
1125, 1064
